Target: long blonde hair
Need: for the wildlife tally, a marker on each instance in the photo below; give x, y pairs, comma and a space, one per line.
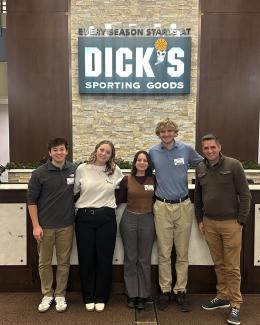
110, 164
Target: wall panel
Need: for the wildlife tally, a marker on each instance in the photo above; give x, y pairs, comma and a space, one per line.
229, 96
230, 6
38, 77
37, 6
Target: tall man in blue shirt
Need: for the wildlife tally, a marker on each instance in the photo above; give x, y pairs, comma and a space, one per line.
173, 210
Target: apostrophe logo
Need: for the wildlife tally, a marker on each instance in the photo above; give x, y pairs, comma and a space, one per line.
161, 46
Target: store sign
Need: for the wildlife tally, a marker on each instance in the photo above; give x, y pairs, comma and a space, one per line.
134, 65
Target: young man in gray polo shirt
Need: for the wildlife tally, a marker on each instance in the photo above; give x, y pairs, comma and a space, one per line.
173, 210
51, 208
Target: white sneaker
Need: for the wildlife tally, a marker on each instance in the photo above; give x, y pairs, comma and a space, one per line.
90, 306
45, 304
99, 307
61, 304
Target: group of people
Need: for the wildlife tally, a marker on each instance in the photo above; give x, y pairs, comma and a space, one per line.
157, 205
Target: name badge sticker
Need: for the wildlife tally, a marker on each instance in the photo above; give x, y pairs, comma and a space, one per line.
110, 181
148, 187
70, 180
178, 161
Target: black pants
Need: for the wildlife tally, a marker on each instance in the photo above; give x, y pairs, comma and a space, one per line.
96, 236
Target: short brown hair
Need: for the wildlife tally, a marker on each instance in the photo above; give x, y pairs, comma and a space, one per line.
210, 136
166, 123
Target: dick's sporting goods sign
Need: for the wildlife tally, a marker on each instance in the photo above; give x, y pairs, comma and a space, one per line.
134, 65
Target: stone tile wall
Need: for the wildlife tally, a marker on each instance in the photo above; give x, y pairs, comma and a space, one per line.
129, 121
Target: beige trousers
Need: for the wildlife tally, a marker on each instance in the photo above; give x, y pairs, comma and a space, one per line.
173, 225
61, 238
224, 241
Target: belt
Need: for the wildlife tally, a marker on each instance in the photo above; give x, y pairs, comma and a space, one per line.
172, 201
95, 210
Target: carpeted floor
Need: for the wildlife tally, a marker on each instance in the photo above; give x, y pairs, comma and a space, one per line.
250, 313
21, 308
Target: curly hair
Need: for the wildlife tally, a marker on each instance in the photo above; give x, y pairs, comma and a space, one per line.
110, 164
166, 123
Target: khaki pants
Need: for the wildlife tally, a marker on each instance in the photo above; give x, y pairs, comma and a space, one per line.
224, 241
173, 224
61, 238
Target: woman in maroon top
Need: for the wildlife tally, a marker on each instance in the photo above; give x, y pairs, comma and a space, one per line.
137, 229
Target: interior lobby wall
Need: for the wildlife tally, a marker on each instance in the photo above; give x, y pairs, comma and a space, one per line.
4, 134
129, 120
39, 99
229, 97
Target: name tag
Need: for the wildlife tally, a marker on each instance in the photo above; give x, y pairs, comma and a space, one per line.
148, 188
110, 181
179, 161
70, 180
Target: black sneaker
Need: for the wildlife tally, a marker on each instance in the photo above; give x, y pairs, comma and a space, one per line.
163, 300
140, 303
182, 301
131, 302
234, 316
149, 299
216, 303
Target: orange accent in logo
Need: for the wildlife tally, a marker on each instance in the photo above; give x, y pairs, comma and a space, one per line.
161, 44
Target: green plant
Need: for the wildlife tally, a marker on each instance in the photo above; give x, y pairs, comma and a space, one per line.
22, 165
250, 164
123, 164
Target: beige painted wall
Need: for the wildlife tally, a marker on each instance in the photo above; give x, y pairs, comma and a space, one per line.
129, 121
3, 80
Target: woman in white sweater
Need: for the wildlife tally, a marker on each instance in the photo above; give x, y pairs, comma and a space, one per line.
96, 226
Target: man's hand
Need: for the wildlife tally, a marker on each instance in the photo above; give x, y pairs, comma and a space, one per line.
201, 227
38, 233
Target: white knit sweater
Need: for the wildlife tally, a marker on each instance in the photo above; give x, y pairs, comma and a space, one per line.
96, 188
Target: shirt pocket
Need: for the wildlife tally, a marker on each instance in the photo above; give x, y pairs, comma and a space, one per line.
202, 178
225, 177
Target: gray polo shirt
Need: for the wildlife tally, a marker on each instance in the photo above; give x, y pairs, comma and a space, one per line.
51, 189
171, 169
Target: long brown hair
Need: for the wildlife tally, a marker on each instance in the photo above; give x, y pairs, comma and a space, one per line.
149, 169
110, 164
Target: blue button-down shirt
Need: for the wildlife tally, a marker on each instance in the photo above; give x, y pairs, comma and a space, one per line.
171, 169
